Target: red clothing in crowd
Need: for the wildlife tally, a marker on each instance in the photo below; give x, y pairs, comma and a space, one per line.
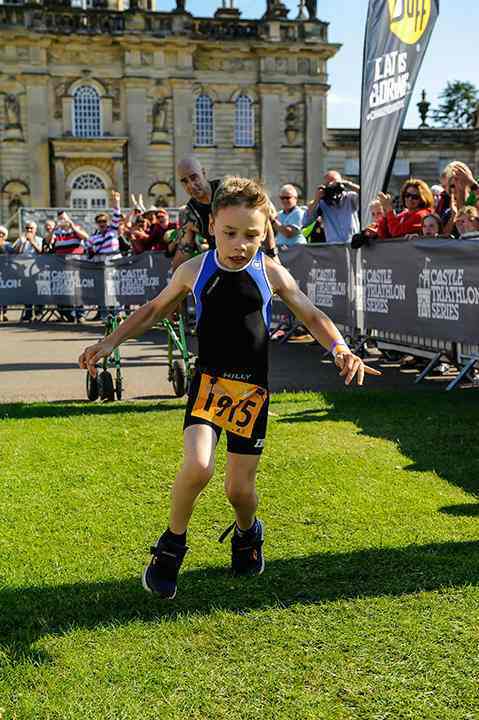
140, 241
407, 222
157, 236
66, 241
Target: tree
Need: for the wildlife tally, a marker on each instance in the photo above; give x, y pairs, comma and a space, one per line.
458, 106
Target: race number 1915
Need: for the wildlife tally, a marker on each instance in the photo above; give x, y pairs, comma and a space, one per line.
230, 404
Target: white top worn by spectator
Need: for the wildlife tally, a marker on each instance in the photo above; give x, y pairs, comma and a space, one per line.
339, 217
29, 243
289, 221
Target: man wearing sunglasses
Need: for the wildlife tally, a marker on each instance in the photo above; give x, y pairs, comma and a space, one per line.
104, 241
289, 221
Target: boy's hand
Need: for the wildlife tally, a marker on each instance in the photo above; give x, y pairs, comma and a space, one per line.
93, 354
351, 365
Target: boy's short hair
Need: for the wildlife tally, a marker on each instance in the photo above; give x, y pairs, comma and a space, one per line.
235, 191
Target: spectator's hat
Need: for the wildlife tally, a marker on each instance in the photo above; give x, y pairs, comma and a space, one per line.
437, 189
152, 210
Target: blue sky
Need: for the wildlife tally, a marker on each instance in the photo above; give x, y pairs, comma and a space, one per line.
452, 53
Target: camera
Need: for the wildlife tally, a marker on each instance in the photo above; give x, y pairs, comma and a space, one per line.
333, 193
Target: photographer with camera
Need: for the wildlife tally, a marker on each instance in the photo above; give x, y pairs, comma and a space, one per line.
336, 203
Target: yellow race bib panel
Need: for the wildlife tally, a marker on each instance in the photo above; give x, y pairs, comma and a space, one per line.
231, 404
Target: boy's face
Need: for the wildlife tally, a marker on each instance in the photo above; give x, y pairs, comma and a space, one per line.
238, 232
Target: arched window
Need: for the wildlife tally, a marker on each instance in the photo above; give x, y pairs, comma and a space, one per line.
244, 121
204, 127
89, 192
86, 112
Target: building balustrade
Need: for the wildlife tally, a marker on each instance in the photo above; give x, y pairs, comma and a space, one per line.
59, 16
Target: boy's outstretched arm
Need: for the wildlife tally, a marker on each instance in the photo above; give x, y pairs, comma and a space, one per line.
144, 318
318, 324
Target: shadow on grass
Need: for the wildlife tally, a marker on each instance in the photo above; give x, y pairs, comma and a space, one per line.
437, 431
33, 612
71, 408
464, 510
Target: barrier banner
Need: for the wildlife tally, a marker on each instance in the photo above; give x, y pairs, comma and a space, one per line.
429, 287
74, 281
323, 272
396, 39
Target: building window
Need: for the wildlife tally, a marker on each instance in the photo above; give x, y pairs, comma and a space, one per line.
204, 128
89, 193
244, 122
86, 112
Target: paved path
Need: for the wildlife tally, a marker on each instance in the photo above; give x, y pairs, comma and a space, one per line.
39, 362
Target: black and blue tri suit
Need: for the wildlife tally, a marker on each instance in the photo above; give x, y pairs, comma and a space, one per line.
233, 316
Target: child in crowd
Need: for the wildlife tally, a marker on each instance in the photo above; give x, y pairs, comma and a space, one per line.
233, 287
467, 222
431, 226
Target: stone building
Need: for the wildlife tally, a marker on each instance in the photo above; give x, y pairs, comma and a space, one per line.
102, 97
102, 94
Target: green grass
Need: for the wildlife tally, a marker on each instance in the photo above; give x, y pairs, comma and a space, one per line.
368, 608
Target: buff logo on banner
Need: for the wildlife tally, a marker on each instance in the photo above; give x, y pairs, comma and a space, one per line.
396, 39
409, 19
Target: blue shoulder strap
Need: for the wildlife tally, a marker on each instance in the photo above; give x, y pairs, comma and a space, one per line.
208, 267
256, 269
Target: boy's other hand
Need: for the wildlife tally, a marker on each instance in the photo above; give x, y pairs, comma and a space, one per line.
351, 365
93, 354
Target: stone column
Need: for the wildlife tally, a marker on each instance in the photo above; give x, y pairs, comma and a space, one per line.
67, 115
119, 181
315, 137
37, 124
183, 100
271, 136
137, 132
60, 195
107, 115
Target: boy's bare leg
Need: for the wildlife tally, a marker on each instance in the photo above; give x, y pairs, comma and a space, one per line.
240, 487
193, 476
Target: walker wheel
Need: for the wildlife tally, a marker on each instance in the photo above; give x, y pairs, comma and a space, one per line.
92, 390
179, 377
105, 386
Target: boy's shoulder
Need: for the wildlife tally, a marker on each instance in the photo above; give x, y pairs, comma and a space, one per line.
189, 270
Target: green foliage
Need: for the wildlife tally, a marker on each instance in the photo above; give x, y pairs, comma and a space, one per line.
458, 106
368, 606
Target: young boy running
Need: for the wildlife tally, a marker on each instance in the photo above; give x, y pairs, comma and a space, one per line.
233, 286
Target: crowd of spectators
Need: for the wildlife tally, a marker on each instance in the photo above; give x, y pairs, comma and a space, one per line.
446, 210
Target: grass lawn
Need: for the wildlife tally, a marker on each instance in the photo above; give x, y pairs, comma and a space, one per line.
368, 608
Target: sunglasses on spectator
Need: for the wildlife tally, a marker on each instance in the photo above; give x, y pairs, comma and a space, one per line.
28, 227
286, 197
413, 196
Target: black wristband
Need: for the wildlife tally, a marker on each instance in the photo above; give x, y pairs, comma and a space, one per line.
271, 252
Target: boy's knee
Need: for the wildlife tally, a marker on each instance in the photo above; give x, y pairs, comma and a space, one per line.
239, 495
198, 474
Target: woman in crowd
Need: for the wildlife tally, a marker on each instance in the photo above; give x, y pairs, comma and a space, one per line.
417, 200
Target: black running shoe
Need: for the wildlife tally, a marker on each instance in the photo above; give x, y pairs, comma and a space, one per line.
161, 574
246, 549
